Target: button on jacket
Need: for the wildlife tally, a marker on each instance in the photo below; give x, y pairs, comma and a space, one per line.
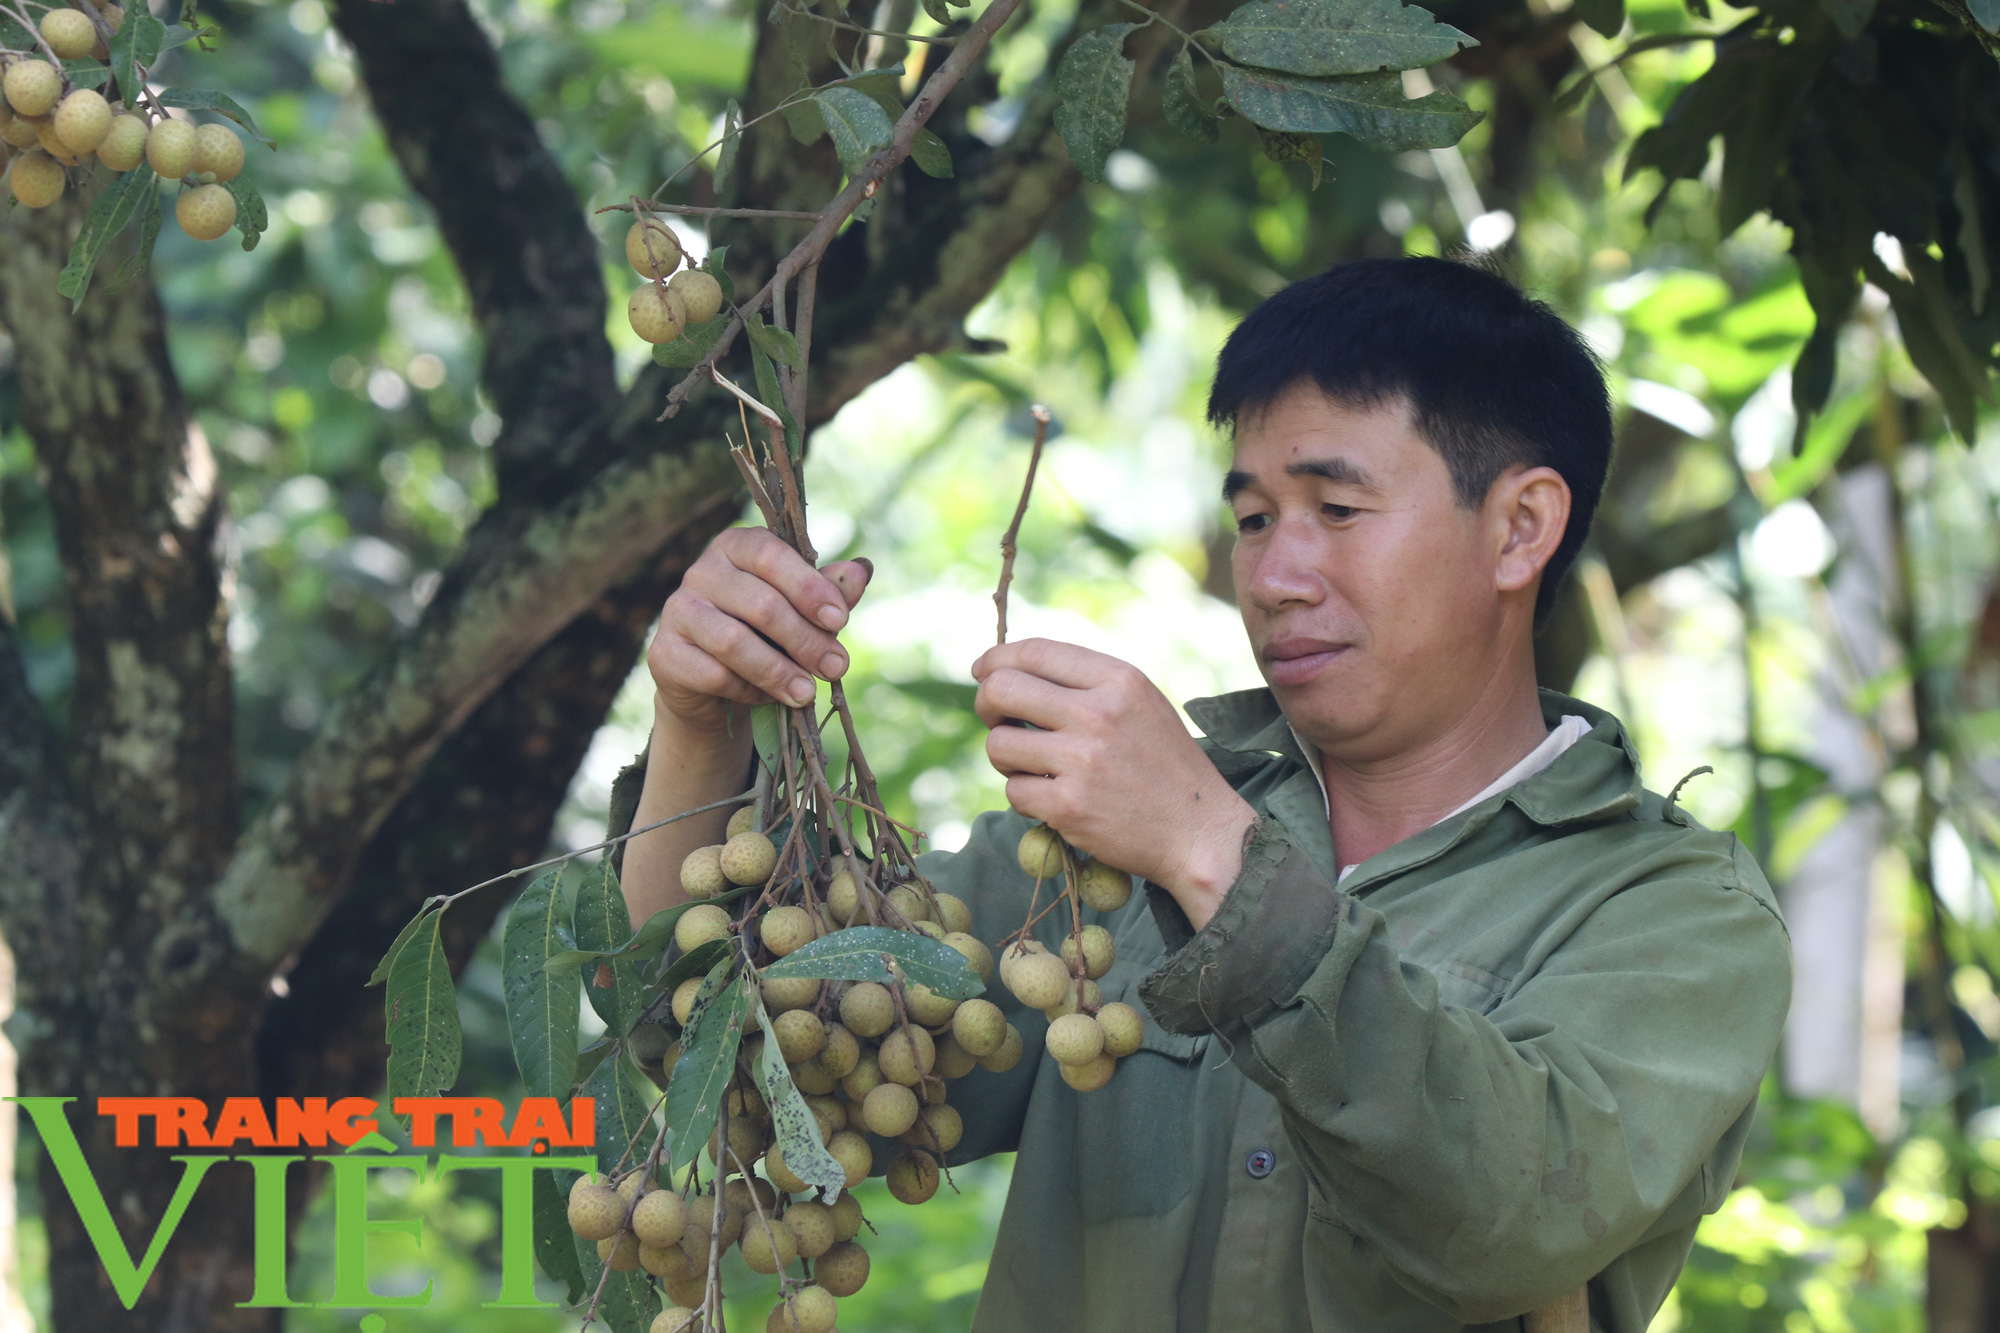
1514, 1052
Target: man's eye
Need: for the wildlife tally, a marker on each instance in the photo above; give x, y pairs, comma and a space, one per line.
1339, 513
1252, 522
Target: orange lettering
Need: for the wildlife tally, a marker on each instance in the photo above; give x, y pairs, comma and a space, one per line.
242, 1118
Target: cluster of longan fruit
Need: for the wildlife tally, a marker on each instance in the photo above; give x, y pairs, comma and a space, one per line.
1086, 1036
638, 1225
56, 125
667, 302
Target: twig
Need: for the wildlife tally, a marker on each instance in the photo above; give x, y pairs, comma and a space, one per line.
448, 899
872, 32
861, 185
1007, 542
802, 332
701, 211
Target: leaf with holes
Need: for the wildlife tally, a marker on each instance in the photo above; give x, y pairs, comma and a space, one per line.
858, 124
1282, 147
602, 925
1326, 37
860, 953
425, 1041
251, 218
1094, 82
793, 1124
708, 1058
1368, 107
541, 999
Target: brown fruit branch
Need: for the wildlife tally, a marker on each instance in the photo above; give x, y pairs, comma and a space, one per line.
1009, 540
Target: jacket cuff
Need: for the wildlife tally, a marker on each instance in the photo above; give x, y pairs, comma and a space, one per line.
1274, 926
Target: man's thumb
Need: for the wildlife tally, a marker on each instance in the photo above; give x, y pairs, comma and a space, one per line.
852, 577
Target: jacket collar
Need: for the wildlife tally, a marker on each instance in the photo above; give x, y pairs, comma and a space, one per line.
1594, 779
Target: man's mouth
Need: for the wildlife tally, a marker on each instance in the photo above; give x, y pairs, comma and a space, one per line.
1294, 661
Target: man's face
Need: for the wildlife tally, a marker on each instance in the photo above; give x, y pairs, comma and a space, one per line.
1370, 595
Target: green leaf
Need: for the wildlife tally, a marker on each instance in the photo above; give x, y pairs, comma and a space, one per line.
402, 940
805, 120
858, 124
939, 11
708, 1059
137, 41
587, 1061
205, 99
629, 1302
425, 1041
85, 73
732, 139
1182, 104
109, 214
141, 258
602, 925
177, 34
555, 1243
623, 1117
649, 941
686, 351
697, 961
930, 154
1831, 432
860, 953
541, 1000
1322, 37
1094, 82
1986, 13
1604, 17
778, 344
251, 218
793, 1124
1282, 147
773, 396
764, 731
1368, 107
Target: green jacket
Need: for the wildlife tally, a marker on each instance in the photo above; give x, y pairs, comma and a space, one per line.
1517, 1051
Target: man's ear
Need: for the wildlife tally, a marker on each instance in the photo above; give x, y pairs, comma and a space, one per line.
1530, 508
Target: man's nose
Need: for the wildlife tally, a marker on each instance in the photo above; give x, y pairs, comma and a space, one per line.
1285, 571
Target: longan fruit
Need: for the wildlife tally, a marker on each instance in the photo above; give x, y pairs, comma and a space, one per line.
669, 1263
1011, 957
655, 315
69, 33
45, 135
830, 1112
781, 1175
953, 1060
889, 1110
843, 896
738, 1194
82, 120
812, 1228
1041, 852
660, 1218
1090, 1075
1008, 1055
1075, 1039
786, 930
749, 858
1103, 888
1038, 980
913, 1177
700, 292
648, 1043
124, 145
689, 1292
910, 903
782, 993
906, 1055
846, 1217
1085, 995
114, 19
843, 1270
939, 1128
867, 1009
807, 1310
38, 180
768, 1245
973, 949
1099, 950
620, 1255
1123, 1028
633, 1186
841, 1052
218, 152
748, 1101
926, 1006
746, 1138
595, 1211
701, 872
17, 132
652, 248
856, 1158
949, 910
863, 1079
979, 1027
813, 1080
743, 821
170, 146
32, 87
928, 927
684, 995
675, 1319
700, 923
801, 1035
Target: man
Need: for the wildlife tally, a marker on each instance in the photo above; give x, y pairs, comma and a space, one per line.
1446, 1013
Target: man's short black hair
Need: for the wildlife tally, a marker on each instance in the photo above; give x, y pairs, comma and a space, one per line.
1493, 378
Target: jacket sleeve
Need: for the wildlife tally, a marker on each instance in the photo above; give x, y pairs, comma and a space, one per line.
1494, 1160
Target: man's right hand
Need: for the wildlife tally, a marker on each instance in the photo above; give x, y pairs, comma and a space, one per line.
748, 592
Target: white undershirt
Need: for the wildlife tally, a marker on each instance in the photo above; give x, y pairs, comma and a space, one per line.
1567, 732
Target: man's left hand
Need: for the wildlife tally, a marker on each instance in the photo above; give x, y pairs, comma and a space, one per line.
1111, 768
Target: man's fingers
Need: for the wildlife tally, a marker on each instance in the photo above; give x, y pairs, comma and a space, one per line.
1016, 696
1016, 750
852, 577
765, 609
737, 647
1061, 663
812, 593
690, 669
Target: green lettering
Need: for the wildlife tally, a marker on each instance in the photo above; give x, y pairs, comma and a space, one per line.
269, 1255
517, 1220
351, 1225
